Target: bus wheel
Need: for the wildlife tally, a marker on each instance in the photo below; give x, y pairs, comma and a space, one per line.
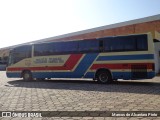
27, 75
104, 77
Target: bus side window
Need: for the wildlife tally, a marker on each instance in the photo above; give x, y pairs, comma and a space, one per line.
101, 46
91, 45
142, 42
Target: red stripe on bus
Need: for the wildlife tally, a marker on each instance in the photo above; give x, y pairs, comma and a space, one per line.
120, 66
69, 65
73, 60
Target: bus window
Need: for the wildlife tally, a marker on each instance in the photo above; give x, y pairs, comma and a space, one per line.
21, 53
101, 46
89, 46
55, 48
113, 44
65, 47
105, 43
142, 42
44, 49
126, 43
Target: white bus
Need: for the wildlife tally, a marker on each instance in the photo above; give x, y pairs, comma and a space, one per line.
104, 59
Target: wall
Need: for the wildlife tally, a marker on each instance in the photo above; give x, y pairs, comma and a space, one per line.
125, 30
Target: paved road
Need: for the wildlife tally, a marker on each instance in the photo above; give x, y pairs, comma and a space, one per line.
79, 95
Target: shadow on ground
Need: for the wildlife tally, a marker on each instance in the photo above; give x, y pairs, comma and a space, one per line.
139, 87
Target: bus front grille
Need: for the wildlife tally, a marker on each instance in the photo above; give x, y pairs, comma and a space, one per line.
138, 71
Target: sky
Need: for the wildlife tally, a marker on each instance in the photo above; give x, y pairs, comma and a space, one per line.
28, 20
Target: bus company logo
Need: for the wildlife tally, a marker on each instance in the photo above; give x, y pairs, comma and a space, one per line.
27, 62
48, 60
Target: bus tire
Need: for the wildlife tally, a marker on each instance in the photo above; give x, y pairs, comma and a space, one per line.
27, 76
104, 77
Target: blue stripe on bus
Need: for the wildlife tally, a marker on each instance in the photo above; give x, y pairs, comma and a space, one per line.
13, 75
85, 64
126, 57
115, 75
121, 75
